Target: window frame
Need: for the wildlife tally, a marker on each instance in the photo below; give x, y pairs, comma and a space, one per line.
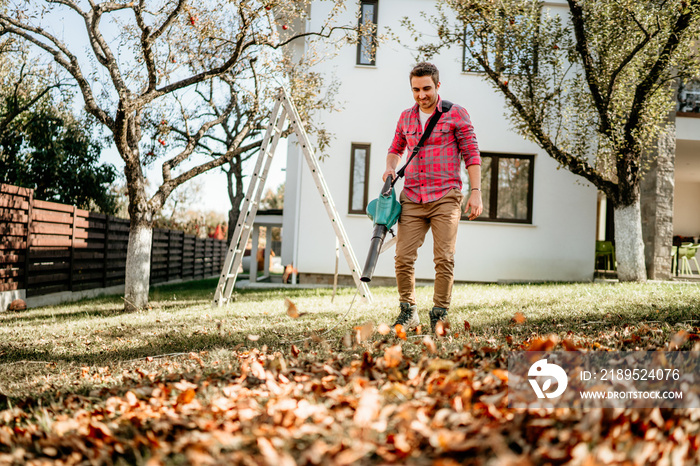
365, 195
372, 37
493, 194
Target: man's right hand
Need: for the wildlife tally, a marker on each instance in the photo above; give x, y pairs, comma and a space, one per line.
392, 161
387, 173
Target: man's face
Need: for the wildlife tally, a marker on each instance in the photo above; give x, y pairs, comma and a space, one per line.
425, 92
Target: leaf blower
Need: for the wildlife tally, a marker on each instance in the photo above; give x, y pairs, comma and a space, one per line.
385, 210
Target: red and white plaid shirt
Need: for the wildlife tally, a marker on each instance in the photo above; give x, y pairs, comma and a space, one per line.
436, 168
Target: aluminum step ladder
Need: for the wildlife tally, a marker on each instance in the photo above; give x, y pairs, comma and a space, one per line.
283, 110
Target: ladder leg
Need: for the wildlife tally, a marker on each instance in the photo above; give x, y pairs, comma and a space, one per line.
254, 255
234, 256
261, 175
268, 248
326, 197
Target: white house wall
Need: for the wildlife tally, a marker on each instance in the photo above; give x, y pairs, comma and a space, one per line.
686, 212
559, 244
686, 193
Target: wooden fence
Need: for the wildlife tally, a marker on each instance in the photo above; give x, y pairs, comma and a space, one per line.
47, 247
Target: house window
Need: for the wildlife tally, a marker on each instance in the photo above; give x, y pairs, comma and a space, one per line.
506, 187
367, 45
359, 174
689, 98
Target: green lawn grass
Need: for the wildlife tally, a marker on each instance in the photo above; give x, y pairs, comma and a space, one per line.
78, 347
185, 383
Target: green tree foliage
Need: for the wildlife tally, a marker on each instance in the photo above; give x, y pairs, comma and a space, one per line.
273, 200
43, 146
592, 86
57, 156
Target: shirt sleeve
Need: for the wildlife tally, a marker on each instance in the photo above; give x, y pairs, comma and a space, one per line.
464, 131
398, 145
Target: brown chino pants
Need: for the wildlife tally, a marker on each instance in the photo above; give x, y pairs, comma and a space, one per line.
442, 217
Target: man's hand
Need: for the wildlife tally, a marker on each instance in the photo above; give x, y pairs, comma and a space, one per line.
474, 205
392, 161
389, 172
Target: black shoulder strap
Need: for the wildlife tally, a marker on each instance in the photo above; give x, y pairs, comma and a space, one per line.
446, 106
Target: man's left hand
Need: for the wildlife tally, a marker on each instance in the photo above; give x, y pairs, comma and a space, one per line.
474, 205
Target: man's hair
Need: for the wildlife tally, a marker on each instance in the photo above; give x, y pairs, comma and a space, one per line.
425, 69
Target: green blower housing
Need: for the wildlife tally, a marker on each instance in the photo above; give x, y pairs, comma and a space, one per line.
384, 212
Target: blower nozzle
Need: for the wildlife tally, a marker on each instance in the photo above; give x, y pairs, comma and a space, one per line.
375, 247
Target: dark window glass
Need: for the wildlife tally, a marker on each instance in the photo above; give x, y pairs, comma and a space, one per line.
367, 45
689, 98
359, 173
506, 187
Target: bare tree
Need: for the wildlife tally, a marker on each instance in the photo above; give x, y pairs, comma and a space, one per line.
592, 88
147, 65
239, 136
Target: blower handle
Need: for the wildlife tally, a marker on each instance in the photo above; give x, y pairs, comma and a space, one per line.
388, 184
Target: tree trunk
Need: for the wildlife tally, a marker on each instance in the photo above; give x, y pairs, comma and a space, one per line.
138, 265
232, 221
234, 176
629, 243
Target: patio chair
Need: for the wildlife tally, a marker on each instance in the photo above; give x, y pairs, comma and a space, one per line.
606, 250
673, 260
687, 253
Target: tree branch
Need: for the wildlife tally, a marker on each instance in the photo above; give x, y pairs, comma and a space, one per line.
644, 89
627, 165
317, 34
576, 165
99, 45
191, 144
169, 20
63, 57
148, 39
647, 38
21, 109
587, 60
148, 56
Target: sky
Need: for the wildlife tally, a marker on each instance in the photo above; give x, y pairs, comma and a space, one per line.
213, 183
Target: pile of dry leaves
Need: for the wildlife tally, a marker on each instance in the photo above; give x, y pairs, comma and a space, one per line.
380, 406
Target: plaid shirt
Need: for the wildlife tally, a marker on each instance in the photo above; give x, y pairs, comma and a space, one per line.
436, 168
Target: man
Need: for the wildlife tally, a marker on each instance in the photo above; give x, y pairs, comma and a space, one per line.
432, 198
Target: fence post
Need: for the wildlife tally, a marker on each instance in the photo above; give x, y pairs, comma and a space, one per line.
182, 257
72, 250
27, 241
167, 256
106, 252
